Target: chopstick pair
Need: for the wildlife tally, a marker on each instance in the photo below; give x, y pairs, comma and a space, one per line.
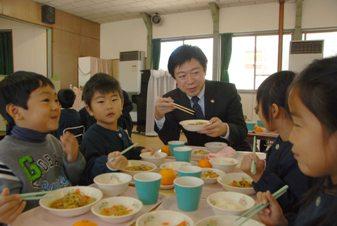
124, 151
184, 109
32, 195
257, 208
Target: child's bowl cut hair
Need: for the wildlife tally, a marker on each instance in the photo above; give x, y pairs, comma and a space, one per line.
102, 83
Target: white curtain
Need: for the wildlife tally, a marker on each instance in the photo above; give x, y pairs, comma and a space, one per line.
160, 82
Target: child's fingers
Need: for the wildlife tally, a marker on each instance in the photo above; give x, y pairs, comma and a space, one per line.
8, 205
9, 198
17, 212
5, 192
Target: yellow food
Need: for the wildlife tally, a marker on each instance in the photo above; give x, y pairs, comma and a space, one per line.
72, 200
204, 163
168, 176
140, 167
197, 123
200, 152
116, 210
241, 183
84, 223
209, 174
166, 149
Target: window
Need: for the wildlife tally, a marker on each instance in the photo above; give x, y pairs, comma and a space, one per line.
254, 58
330, 38
205, 44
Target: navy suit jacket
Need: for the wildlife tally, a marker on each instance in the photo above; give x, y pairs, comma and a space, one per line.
222, 101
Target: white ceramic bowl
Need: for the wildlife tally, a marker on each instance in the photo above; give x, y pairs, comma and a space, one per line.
225, 202
211, 180
52, 196
131, 203
138, 163
241, 154
157, 158
228, 178
199, 153
159, 217
224, 164
194, 125
228, 220
215, 146
174, 165
113, 184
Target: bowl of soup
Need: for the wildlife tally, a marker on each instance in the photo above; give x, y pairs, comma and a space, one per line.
137, 166
71, 201
194, 125
164, 218
237, 182
117, 209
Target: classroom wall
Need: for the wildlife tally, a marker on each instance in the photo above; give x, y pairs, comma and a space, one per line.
29, 46
72, 37
131, 34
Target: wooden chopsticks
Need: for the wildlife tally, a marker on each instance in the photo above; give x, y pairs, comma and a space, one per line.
32, 195
184, 109
257, 208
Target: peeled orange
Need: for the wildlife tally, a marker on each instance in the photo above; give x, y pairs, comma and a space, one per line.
166, 149
168, 176
204, 163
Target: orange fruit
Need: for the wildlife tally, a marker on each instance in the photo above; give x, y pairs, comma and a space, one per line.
168, 176
166, 149
84, 223
204, 163
258, 129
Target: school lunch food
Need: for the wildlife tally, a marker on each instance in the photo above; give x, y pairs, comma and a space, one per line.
141, 167
72, 200
243, 183
209, 174
199, 152
116, 210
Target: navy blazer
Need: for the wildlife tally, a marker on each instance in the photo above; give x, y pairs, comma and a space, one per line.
282, 169
314, 213
97, 143
222, 101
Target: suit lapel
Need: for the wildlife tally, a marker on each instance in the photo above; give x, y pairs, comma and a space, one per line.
209, 101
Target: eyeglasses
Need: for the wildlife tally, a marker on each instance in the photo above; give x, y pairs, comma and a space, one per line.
194, 73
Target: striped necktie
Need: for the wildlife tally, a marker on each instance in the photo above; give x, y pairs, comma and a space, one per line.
196, 107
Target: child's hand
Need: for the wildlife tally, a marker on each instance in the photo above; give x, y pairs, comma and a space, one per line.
70, 146
151, 150
119, 161
11, 206
246, 166
273, 214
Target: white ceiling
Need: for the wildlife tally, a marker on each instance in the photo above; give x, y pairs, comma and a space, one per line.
103, 11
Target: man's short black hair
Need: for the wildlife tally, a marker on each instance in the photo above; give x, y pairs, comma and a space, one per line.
183, 54
66, 98
16, 89
102, 83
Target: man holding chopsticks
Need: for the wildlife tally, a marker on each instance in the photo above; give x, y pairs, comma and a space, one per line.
215, 101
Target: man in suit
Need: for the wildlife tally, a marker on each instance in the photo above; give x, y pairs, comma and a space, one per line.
215, 101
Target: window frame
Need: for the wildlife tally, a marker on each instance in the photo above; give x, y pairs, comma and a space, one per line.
255, 34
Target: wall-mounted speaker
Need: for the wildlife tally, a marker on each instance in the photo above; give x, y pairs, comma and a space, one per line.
156, 19
48, 14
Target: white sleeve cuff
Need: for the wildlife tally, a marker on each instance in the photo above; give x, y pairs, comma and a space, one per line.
160, 122
227, 133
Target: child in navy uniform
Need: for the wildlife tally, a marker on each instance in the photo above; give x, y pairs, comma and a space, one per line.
281, 168
312, 104
70, 119
31, 159
104, 139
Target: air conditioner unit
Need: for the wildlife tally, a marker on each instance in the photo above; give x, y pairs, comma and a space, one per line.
130, 65
303, 53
